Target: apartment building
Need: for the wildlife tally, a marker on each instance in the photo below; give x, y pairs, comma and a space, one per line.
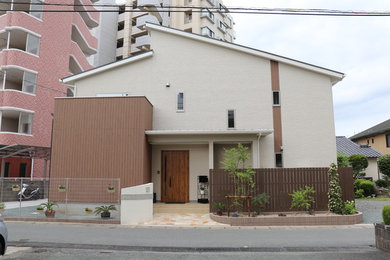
37, 48
210, 18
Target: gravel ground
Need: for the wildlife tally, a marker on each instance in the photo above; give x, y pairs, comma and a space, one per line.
372, 210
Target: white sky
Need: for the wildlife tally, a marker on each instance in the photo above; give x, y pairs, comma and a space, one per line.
356, 46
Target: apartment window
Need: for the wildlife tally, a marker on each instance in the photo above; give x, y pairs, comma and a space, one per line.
278, 160
388, 140
229, 21
119, 43
36, 8
180, 101
231, 119
207, 32
19, 80
276, 98
207, 13
188, 17
121, 26
32, 44
121, 9
222, 26
16, 121
222, 8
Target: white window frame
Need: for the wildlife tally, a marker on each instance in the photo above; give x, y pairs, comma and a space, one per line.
29, 35
222, 26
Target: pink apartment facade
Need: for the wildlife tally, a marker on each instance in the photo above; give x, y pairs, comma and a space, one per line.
37, 48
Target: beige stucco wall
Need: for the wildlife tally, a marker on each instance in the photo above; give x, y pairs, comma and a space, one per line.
199, 162
379, 143
307, 118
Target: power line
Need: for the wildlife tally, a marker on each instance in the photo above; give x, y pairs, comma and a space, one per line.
238, 10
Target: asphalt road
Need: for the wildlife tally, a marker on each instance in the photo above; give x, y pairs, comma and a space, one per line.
67, 254
275, 238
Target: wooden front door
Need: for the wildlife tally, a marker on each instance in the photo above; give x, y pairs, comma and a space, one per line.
175, 176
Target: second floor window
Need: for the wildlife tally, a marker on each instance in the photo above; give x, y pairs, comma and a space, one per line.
180, 101
231, 119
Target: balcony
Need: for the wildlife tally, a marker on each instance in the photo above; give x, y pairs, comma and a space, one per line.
83, 29
15, 121
151, 6
143, 42
19, 39
119, 52
138, 13
79, 56
74, 65
120, 34
141, 21
14, 78
91, 19
22, 6
136, 32
78, 38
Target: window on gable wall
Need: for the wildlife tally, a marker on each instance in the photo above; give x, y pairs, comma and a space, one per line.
180, 101
388, 140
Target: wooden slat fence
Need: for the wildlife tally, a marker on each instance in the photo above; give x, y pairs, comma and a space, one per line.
280, 182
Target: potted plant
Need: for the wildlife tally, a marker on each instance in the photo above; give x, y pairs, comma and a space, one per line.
202, 189
15, 187
88, 210
61, 188
49, 211
219, 207
382, 231
110, 188
40, 208
105, 211
2, 207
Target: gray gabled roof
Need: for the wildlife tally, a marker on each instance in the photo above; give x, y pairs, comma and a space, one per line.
347, 147
375, 130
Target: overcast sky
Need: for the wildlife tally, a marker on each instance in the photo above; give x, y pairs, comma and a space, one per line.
356, 46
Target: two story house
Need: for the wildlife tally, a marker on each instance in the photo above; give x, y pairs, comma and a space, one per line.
163, 116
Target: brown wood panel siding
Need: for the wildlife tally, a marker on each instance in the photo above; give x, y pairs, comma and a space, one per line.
275, 76
276, 110
279, 183
102, 138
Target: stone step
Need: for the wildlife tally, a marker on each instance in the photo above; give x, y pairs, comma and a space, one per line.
198, 208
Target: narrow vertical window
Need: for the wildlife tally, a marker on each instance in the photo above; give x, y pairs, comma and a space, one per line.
278, 160
29, 82
25, 123
180, 101
276, 98
231, 123
388, 140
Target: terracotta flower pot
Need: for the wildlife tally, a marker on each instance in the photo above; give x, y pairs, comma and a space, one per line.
50, 214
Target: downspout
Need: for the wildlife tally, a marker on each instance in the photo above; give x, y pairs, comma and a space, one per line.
258, 149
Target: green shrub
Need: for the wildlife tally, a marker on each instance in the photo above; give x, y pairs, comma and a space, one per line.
386, 214
349, 208
303, 199
382, 183
342, 160
359, 163
384, 164
335, 203
356, 184
368, 187
259, 201
359, 194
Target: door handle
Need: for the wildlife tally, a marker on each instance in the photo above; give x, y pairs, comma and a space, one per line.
170, 181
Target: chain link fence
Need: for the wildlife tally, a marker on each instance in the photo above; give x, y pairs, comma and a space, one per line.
75, 198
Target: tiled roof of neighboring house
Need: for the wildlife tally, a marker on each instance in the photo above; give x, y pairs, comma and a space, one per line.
375, 130
346, 146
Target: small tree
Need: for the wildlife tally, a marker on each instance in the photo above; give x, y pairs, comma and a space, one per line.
303, 199
384, 164
334, 195
342, 160
242, 174
359, 163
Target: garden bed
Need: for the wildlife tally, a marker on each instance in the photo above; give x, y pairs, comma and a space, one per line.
291, 219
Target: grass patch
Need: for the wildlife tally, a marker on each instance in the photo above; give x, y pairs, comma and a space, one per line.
378, 198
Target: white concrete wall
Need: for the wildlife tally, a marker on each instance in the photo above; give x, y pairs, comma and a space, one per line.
215, 79
372, 169
137, 204
307, 118
199, 162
